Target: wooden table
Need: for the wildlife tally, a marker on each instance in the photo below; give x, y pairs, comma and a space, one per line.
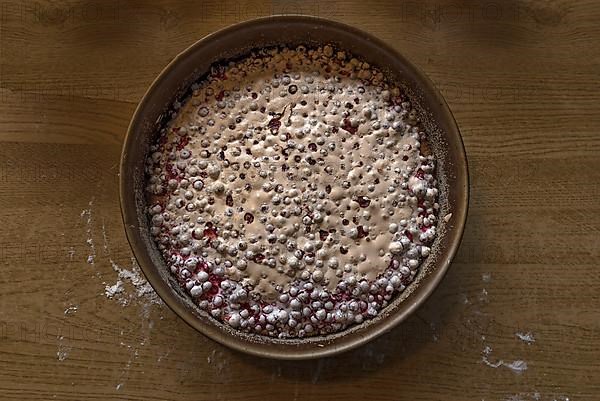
517, 317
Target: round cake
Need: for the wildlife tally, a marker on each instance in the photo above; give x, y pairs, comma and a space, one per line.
292, 193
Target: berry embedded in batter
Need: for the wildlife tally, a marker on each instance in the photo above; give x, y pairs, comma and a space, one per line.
289, 194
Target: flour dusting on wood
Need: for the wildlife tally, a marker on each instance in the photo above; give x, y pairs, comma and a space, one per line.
536, 396
86, 214
526, 337
112, 290
524, 397
64, 349
130, 284
133, 275
517, 366
71, 310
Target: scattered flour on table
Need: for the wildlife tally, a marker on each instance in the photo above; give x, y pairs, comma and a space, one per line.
517, 366
127, 277
145, 327
129, 287
526, 337
218, 360
63, 349
133, 355
71, 310
524, 397
536, 396
111, 290
143, 289
434, 335
487, 351
86, 214
163, 356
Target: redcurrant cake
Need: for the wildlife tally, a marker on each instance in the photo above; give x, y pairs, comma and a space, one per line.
291, 192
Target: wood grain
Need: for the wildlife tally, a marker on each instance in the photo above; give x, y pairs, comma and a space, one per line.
523, 80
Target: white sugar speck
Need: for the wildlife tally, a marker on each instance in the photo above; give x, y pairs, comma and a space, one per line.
87, 215
486, 352
63, 349
135, 278
517, 366
526, 337
111, 290
133, 275
70, 310
536, 396
71, 253
483, 297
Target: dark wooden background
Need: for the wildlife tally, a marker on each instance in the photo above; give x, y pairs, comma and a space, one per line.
523, 80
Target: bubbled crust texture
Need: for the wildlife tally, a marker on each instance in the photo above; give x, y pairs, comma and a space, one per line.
291, 193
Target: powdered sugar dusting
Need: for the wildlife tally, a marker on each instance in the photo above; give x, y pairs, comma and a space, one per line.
111, 290
526, 337
128, 287
63, 349
517, 366
86, 214
535, 396
70, 310
483, 296
133, 276
130, 276
486, 352
71, 253
217, 359
142, 288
